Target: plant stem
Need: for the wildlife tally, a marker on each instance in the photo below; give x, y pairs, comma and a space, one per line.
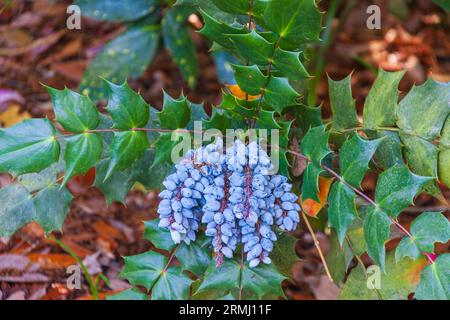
92, 286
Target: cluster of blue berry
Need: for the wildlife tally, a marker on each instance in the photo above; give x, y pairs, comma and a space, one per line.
232, 192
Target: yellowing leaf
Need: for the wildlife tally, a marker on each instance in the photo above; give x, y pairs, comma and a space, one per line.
238, 93
12, 115
312, 207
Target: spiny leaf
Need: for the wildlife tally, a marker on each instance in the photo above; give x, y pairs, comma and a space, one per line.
444, 155
424, 109
129, 294
127, 108
126, 56
399, 280
218, 31
75, 112
289, 64
279, 94
165, 146
311, 207
17, 209
252, 47
196, 256
389, 152
342, 104
376, 233
434, 283
126, 147
29, 146
179, 43
396, 189
175, 113
426, 229
380, 107
315, 146
266, 120
342, 209
159, 237
354, 157
240, 6
249, 78
297, 21
283, 255
82, 152
124, 10
37, 181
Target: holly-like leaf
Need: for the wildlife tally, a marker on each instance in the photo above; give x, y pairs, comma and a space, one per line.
75, 112
220, 281
289, 64
29, 146
426, 229
179, 43
444, 155
297, 21
129, 294
399, 280
126, 56
315, 146
262, 282
126, 147
424, 109
51, 207
279, 94
37, 181
389, 152
266, 120
116, 187
150, 269
342, 104
311, 207
127, 108
396, 189
175, 113
165, 147
82, 152
376, 233
125, 10
354, 157
380, 107
17, 209
434, 283
283, 255
249, 78
196, 256
158, 236
342, 209
253, 47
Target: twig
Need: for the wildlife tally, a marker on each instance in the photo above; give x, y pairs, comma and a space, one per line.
317, 244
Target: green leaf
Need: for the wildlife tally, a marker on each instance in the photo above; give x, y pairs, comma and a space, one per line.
126, 147
428, 228
249, 78
289, 64
396, 189
389, 152
196, 256
444, 155
150, 270
434, 283
37, 181
399, 280
178, 42
354, 157
308, 117
175, 113
424, 109
342, 104
407, 248
279, 94
376, 233
297, 21
17, 209
263, 281
234, 6
125, 10
165, 145
158, 236
127, 108
283, 255
443, 4
380, 107
315, 146
126, 56
51, 207
29, 146
252, 47
266, 120
129, 294
342, 209
218, 31
82, 152
75, 112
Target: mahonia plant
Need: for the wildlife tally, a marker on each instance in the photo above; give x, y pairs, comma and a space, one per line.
220, 199
129, 54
